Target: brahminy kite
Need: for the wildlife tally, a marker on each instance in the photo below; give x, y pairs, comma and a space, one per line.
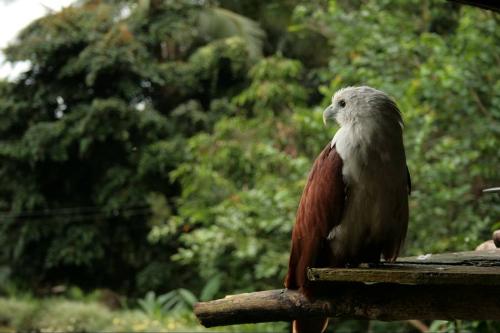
354, 207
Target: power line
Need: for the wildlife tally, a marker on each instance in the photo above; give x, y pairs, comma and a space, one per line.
73, 216
70, 211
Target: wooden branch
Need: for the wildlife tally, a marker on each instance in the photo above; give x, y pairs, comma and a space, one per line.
261, 306
355, 300
419, 325
480, 104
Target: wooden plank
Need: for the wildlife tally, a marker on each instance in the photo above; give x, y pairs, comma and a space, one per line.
468, 258
379, 301
411, 274
463, 268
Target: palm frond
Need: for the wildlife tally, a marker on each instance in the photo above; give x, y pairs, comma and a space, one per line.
222, 23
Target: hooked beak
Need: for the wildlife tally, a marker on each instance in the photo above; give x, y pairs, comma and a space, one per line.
329, 113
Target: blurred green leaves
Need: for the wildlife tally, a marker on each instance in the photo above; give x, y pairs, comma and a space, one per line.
92, 130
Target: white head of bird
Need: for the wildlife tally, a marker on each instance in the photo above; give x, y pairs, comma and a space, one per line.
370, 123
357, 105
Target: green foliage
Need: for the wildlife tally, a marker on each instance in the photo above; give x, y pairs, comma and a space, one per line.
464, 326
93, 128
70, 316
275, 86
155, 306
55, 314
177, 300
218, 23
17, 312
244, 204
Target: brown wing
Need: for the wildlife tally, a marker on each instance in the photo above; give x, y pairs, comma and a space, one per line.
320, 209
408, 180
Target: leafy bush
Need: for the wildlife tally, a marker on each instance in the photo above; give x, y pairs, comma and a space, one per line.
70, 316
177, 300
108, 103
17, 313
52, 315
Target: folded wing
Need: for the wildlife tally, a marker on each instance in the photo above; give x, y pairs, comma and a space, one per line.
320, 209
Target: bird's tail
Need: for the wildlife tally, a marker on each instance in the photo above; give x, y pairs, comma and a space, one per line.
313, 325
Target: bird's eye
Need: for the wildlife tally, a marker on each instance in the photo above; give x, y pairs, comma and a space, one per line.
342, 103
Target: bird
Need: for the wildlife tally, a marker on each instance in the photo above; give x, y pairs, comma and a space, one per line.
354, 206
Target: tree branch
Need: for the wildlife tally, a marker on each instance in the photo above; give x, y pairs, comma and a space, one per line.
356, 300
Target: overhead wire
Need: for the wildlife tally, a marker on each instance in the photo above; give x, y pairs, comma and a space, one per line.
76, 213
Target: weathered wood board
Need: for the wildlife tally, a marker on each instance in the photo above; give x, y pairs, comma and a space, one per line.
468, 258
411, 274
459, 268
